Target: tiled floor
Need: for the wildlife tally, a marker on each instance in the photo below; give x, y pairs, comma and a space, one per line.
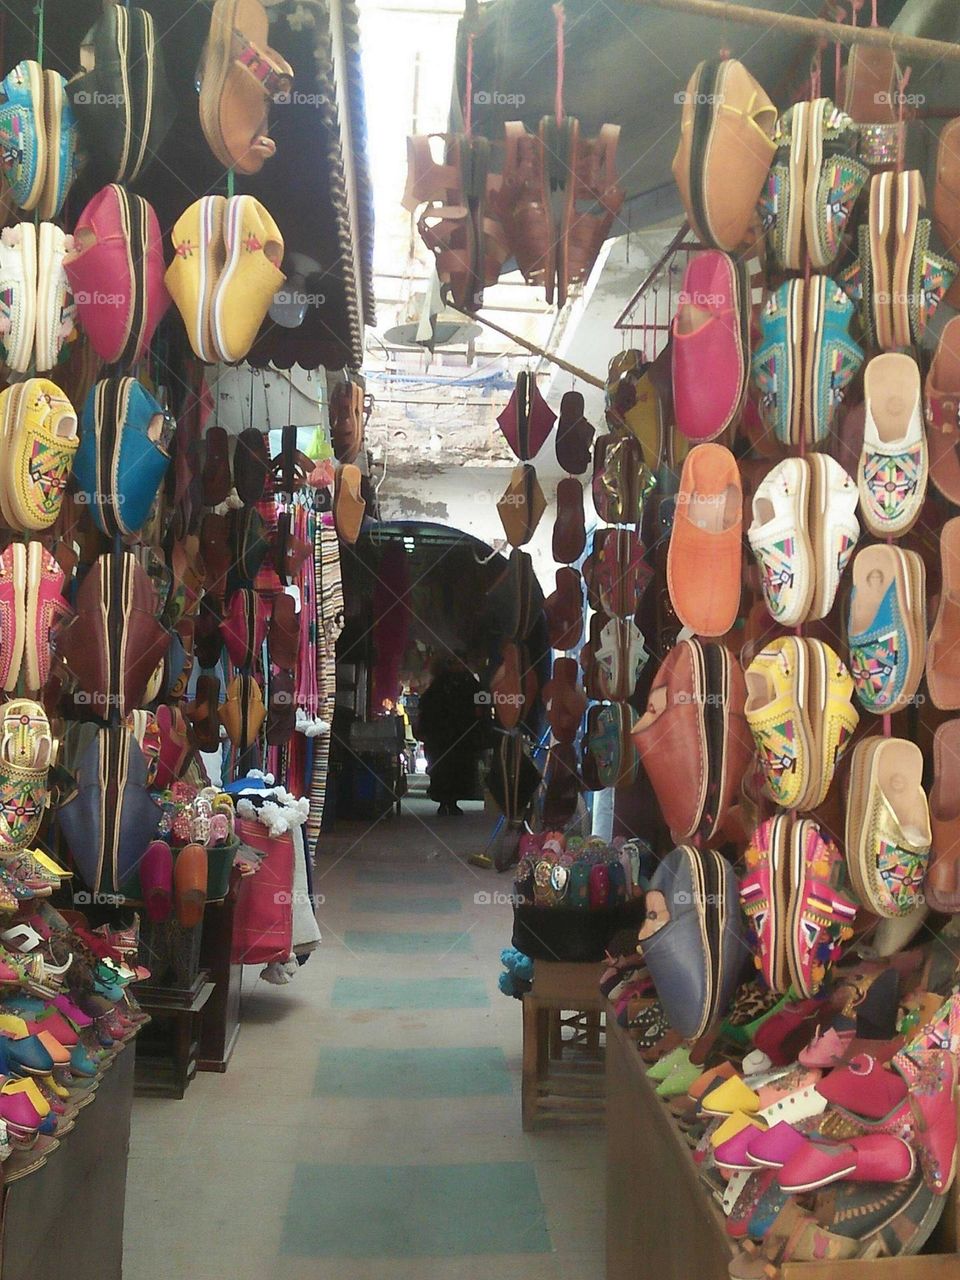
369, 1125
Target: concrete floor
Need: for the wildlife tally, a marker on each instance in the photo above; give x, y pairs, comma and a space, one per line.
369, 1124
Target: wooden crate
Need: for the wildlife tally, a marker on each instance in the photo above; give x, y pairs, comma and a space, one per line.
563, 1075
662, 1224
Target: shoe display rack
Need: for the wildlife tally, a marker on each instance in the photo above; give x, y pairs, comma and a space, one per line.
83, 1182
663, 1225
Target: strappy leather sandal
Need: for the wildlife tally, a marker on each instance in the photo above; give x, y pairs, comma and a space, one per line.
523, 202
445, 225
239, 75
593, 199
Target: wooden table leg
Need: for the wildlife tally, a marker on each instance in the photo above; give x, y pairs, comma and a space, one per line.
531, 1057
593, 1032
556, 1034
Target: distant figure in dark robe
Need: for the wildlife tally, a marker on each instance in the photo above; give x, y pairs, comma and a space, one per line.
452, 715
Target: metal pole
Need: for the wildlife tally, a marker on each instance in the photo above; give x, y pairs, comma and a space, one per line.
910, 47
532, 348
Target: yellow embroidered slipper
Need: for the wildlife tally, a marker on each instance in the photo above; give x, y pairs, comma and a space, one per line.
38, 441
251, 276
777, 698
888, 835
732, 1096
195, 271
832, 720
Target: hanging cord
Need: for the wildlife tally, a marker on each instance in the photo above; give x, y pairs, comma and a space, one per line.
560, 17
840, 15
816, 70
468, 89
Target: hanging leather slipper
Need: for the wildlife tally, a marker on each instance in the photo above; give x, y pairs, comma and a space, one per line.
283, 637
527, 420
282, 709
215, 477
349, 506
943, 647
574, 435
204, 713
239, 75
251, 465
563, 610
522, 506
941, 886
942, 397
569, 531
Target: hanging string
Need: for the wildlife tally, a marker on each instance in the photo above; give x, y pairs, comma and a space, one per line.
903, 79
40, 11
816, 70
873, 20
840, 17
468, 88
560, 16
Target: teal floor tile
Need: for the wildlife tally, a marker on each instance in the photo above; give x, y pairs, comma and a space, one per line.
412, 1073
416, 875
402, 944
409, 993
397, 905
411, 1211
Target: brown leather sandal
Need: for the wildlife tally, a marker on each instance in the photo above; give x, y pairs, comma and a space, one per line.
445, 225
239, 76
204, 714
523, 203
593, 182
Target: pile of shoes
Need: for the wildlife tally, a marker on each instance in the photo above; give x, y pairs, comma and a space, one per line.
66, 1011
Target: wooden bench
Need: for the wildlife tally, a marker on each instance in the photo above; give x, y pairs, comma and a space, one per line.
562, 1044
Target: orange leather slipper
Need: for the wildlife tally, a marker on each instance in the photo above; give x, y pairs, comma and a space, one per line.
705, 554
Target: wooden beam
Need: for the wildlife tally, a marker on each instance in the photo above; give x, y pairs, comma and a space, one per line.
908, 47
532, 348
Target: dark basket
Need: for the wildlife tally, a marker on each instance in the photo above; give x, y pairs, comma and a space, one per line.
565, 933
171, 953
